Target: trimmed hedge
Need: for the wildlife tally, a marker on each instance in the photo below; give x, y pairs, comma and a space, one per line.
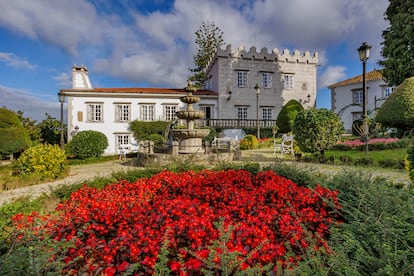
87, 144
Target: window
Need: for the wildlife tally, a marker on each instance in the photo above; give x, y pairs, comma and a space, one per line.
267, 113
122, 112
207, 111
95, 112
357, 97
241, 78
288, 81
122, 140
169, 112
147, 112
266, 80
242, 112
388, 91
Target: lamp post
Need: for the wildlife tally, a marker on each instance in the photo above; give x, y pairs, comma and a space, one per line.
61, 100
257, 92
364, 51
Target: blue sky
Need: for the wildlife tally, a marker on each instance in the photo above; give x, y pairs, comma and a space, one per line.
150, 43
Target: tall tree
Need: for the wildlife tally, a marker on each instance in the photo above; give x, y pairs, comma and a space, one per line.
209, 38
30, 126
50, 130
398, 44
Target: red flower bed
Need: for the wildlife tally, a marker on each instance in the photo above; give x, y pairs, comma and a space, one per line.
126, 223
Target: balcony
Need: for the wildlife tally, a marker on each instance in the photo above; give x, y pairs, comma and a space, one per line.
237, 124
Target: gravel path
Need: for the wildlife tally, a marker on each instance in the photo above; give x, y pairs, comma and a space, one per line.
78, 173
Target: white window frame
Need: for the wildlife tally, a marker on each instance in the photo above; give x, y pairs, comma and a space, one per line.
287, 81
95, 112
266, 80
357, 96
242, 112
123, 140
241, 78
147, 112
169, 112
122, 112
204, 109
267, 113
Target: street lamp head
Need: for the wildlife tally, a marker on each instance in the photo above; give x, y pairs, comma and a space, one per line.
364, 51
257, 89
61, 97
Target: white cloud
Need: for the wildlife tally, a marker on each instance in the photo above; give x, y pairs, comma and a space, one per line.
157, 47
29, 103
64, 79
14, 61
331, 75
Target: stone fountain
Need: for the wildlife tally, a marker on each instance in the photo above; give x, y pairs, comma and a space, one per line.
190, 138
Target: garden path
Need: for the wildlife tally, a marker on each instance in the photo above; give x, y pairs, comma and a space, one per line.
79, 173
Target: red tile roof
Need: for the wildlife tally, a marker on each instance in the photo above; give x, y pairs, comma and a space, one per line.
147, 91
370, 76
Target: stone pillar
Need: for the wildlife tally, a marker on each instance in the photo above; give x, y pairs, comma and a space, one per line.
175, 148
151, 147
207, 146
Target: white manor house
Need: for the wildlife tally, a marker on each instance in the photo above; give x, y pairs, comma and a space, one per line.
229, 99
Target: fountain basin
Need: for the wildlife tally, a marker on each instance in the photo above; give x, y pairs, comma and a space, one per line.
190, 133
190, 114
189, 99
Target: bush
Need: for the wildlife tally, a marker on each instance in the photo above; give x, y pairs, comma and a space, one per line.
210, 137
44, 161
156, 138
249, 142
87, 144
376, 237
142, 130
410, 162
316, 130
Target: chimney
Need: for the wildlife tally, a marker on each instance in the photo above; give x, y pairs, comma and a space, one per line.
80, 79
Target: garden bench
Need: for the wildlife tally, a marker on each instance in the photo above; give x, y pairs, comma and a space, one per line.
285, 146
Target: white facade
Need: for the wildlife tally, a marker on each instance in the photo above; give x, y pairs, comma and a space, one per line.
110, 110
346, 97
229, 94
233, 74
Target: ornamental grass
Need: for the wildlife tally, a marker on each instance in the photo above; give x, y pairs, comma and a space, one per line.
171, 219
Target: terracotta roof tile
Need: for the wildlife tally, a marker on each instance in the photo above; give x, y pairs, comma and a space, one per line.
148, 90
370, 76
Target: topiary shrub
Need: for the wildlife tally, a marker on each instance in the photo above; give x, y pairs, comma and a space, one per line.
43, 160
13, 136
316, 130
87, 144
249, 142
410, 162
287, 116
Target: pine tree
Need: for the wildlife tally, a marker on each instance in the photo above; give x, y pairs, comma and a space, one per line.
209, 38
398, 44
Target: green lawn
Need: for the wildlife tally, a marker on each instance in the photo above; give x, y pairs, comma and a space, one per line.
392, 154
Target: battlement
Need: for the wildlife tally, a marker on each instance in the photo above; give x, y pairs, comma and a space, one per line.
264, 54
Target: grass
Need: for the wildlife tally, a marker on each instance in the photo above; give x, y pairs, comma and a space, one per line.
392, 154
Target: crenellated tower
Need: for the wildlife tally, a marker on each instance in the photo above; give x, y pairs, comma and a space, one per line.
281, 76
